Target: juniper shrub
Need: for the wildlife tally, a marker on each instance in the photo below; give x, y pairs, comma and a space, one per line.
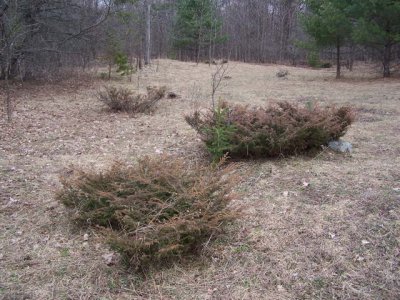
154, 212
122, 99
279, 129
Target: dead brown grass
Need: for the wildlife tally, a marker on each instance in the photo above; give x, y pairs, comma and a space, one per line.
314, 228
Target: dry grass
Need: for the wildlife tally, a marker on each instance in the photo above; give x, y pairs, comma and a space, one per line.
320, 228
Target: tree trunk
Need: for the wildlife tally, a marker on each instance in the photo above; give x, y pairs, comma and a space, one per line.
337, 59
197, 52
7, 100
2, 71
148, 34
386, 60
140, 55
351, 62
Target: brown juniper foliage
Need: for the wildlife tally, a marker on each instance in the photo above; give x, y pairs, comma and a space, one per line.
282, 128
123, 99
155, 211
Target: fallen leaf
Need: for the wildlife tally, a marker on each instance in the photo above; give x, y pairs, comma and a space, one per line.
109, 258
306, 184
12, 201
360, 258
280, 288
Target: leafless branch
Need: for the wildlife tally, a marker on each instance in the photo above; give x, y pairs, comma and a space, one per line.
216, 79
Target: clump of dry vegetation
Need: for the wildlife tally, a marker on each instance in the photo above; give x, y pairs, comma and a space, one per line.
123, 99
279, 129
156, 211
282, 73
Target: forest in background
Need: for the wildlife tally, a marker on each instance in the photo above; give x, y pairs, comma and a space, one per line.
42, 39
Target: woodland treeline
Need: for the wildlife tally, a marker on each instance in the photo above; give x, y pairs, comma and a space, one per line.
46, 38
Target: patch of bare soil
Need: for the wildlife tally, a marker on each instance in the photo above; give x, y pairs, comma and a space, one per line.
325, 227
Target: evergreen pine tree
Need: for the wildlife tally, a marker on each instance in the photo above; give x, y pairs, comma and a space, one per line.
378, 26
196, 26
329, 24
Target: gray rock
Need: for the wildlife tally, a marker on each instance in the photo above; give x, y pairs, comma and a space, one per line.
341, 146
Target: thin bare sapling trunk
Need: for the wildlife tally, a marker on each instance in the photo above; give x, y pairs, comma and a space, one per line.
148, 33
7, 100
338, 59
216, 79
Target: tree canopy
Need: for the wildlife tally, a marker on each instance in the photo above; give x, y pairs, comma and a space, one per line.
197, 25
329, 24
378, 26
371, 23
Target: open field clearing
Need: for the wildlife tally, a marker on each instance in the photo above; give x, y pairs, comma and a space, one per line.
321, 227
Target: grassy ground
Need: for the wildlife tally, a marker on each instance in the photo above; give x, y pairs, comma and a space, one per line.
326, 227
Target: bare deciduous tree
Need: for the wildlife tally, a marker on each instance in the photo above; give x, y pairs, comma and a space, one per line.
216, 78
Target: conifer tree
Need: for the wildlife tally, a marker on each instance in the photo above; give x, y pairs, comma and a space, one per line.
196, 26
378, 26
329, 24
